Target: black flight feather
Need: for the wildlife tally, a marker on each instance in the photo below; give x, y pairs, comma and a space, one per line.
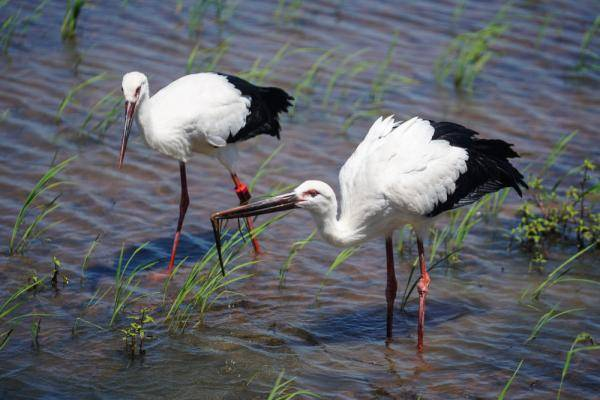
265, 105
488, 167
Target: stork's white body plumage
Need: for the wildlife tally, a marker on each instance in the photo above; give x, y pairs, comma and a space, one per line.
396, 176
194, 114
401, 173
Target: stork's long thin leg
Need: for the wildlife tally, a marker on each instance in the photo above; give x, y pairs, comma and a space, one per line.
183, 206
244, 195
423, 288
392, 286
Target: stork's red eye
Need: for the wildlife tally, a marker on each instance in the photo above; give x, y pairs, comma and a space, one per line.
137, 91
311, 193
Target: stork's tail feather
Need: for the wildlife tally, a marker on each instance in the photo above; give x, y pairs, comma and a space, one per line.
498, 152
277, 99
488, 166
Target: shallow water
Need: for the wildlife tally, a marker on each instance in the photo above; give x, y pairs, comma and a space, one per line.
333, 344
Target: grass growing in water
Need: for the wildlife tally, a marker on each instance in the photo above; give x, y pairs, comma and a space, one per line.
135, 335
32, 231
125, 285
283, 389
210, 60
296, 247
69, 97
510, 381
224, 10
205, 283
581, 338
339, 260
258, 72
16, 24
69, 24
547, 317
588, 60
468, 53
91, 249
549, 216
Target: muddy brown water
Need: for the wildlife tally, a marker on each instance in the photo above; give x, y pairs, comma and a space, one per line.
529, 94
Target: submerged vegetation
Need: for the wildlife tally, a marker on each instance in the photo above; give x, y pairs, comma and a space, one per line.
69, 24
283, 389
17, 23
554, 213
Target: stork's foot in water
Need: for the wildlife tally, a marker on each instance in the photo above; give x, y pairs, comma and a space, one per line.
158, 276
423, 289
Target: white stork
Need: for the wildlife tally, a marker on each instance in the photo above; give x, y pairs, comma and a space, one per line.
401, 173
204, 113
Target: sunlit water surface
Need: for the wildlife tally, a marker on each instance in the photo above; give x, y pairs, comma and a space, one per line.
327, 331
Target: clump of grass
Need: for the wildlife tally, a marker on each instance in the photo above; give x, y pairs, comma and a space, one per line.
23, 234
549, 216
69, 24
283, 389
296, 247
17, 24
70, 96
126, 281
589, 60
468, 53
135, 335
583, 337
205, 283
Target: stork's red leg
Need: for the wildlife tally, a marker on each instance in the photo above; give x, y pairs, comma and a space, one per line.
244, 195
183, 206
423, 288
392, 286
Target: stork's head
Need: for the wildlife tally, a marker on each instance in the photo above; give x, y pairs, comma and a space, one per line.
314, 196
135, 87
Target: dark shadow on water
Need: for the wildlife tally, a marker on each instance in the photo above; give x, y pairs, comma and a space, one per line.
368, 324
191, 246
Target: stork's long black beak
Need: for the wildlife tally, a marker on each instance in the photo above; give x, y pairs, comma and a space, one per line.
282, 202
129, 110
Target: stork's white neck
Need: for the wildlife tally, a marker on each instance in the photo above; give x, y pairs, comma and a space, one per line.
337, 232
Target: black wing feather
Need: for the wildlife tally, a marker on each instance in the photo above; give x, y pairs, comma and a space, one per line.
488, 167
265, 105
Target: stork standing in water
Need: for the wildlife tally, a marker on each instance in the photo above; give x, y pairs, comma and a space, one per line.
204, 113
401, 173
